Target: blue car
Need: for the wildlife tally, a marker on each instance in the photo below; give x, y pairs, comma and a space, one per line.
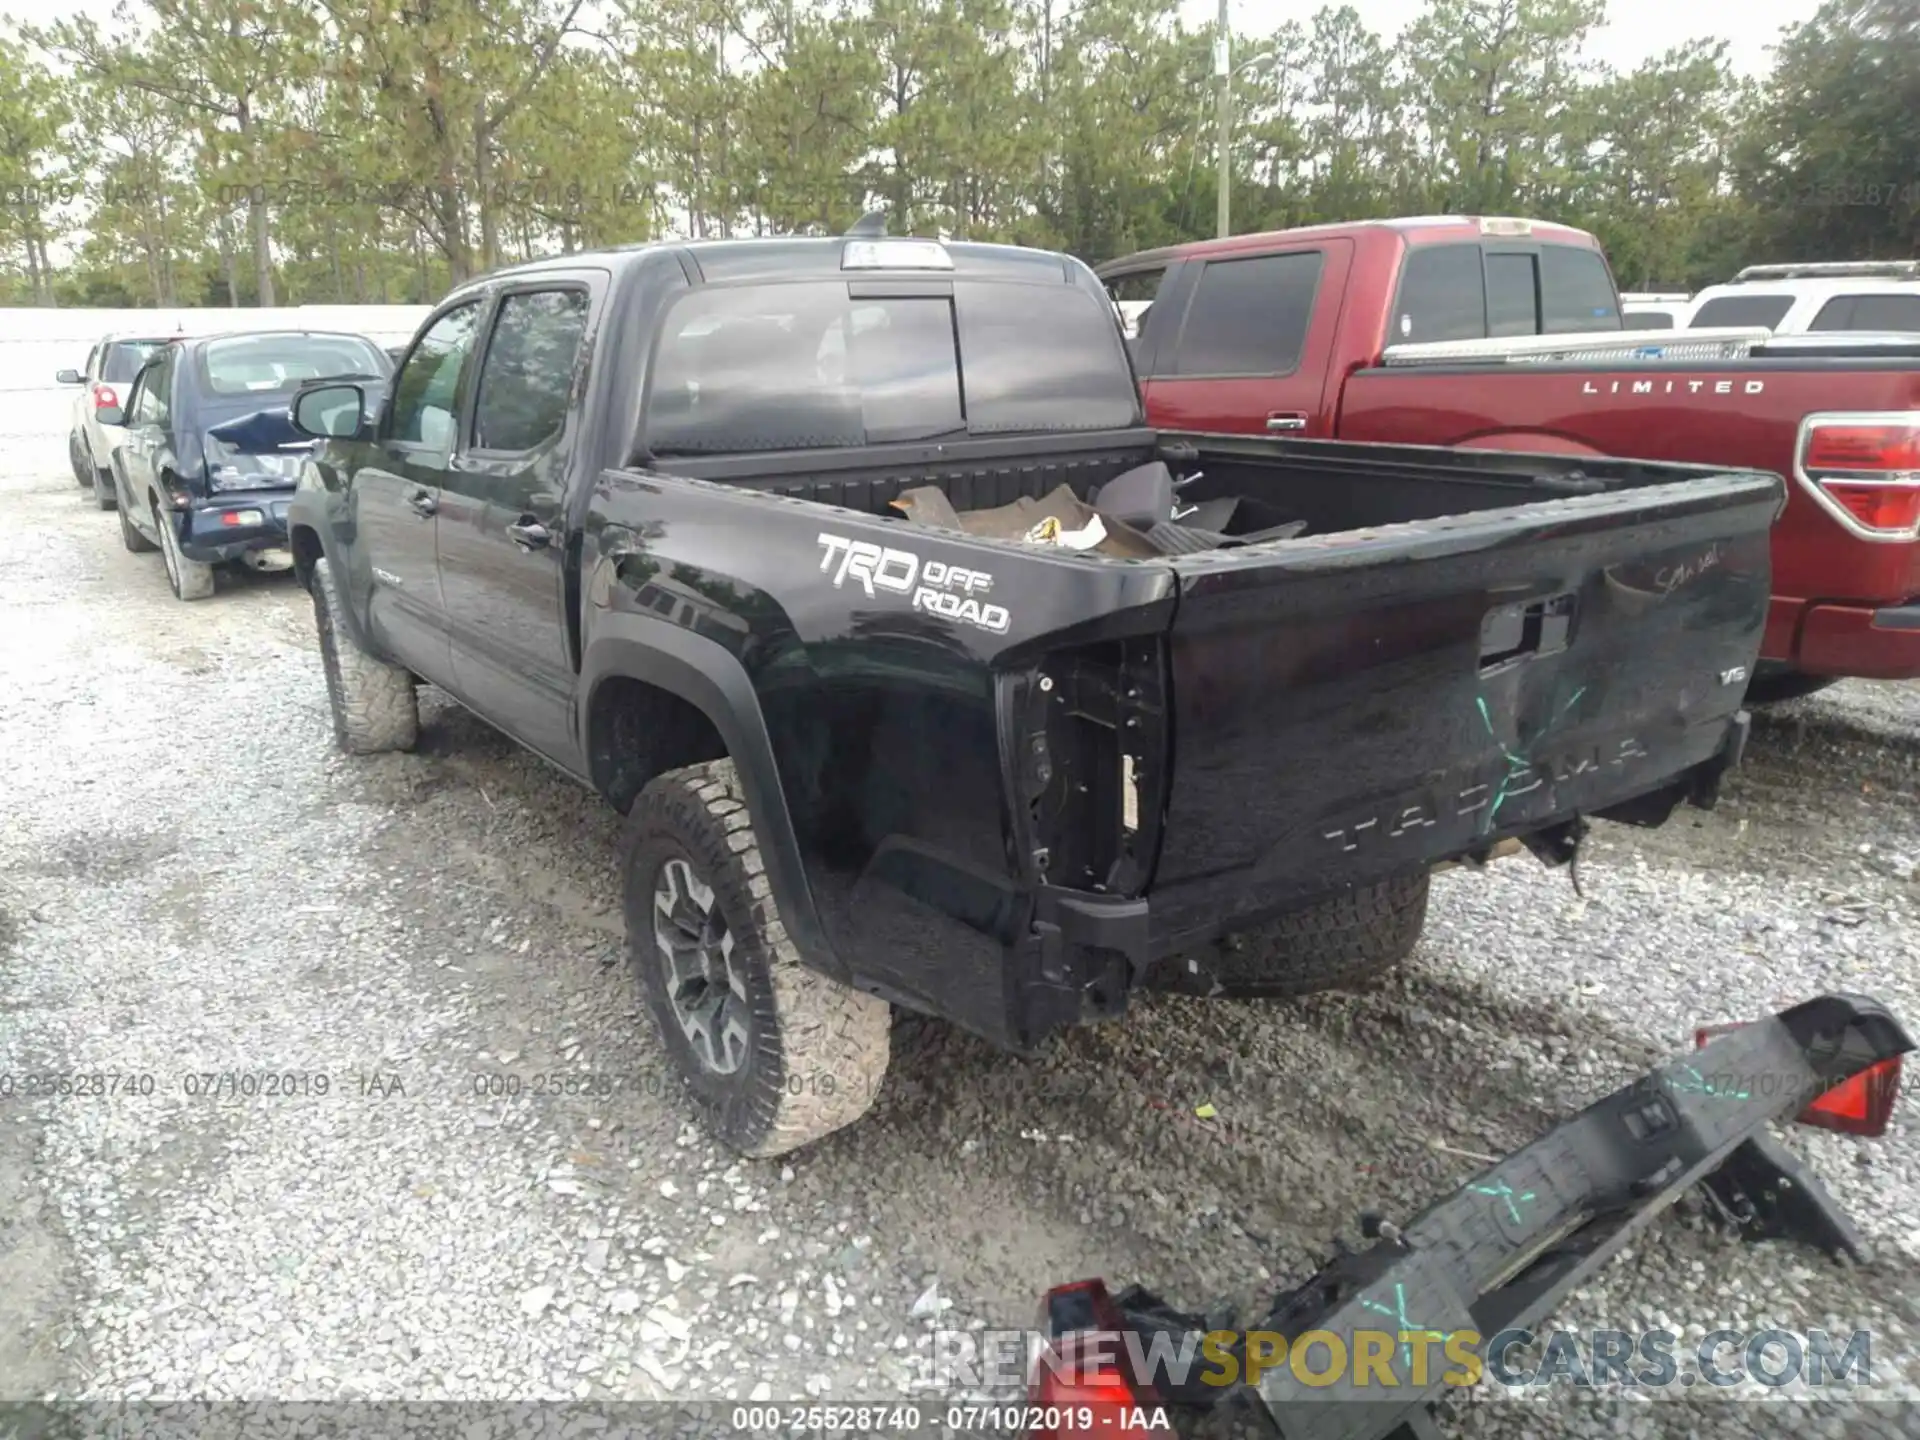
210, 455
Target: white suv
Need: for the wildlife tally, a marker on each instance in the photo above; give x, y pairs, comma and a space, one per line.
1878, 296
1653, 310
111, 366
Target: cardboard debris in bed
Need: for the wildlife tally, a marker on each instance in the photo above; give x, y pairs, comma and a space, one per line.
1058, 518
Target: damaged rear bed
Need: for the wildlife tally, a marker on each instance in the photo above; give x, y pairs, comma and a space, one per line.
1227, 678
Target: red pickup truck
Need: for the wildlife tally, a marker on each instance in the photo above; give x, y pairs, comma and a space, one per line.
1506, 334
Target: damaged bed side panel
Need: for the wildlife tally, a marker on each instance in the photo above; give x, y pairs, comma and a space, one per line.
1374, 701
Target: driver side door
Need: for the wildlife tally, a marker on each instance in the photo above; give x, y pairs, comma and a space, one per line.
396, 492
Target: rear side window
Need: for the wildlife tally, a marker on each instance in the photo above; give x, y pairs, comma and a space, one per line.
817, 365
528, 371
1869, 312
1576, 293
1651, 320
1443, 296
125, 357
155, 403
1767, 310
1249, 317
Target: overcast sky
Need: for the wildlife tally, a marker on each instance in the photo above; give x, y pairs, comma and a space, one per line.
1638, 29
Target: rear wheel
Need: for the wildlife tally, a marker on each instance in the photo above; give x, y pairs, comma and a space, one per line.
1772, 684
1341, 940
103, 494
375, 707
77, 458
190, 579
775, 1054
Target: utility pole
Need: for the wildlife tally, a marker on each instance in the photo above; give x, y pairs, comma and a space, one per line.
1223, 72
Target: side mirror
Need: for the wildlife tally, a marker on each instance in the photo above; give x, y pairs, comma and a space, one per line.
110, 415
68, 377
329, 412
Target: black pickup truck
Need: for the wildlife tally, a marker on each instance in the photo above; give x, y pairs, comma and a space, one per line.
650, 512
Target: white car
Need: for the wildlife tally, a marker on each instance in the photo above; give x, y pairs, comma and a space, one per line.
1879, 296
111, 366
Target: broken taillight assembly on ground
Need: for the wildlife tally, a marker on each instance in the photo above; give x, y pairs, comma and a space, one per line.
1865, 472
1504, 1251
1081, 1387
1862, 1104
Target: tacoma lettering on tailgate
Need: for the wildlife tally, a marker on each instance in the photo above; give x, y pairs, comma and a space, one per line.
1424, 809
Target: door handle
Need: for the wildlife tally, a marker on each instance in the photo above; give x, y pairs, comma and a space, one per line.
1286, 420
529, 534
423, 503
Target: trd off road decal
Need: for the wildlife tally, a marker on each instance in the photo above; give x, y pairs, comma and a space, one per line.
936, 587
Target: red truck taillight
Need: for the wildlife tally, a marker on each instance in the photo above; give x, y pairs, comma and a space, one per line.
1865, 471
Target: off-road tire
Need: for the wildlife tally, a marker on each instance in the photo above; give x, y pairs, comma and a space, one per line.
1772, 684
189, 579
1338, 942
131, 537
375, 707
816, 1050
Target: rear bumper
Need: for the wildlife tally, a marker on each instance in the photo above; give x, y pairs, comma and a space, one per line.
1501, 1253
205, 535
1872, 642
1086, 952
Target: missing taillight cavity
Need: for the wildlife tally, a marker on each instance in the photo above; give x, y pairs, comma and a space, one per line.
1092, 768
1864, 470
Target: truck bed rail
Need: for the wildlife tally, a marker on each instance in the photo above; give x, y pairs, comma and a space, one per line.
1730, 343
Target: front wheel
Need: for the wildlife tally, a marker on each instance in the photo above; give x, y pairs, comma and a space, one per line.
775, 1055
375, 707
1339, 941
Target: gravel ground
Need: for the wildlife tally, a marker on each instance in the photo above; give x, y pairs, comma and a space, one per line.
193, 883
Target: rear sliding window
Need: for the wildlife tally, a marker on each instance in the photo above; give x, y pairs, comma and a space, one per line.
820, 364
1869, 312
1767, 310
1650, 320
1470, 292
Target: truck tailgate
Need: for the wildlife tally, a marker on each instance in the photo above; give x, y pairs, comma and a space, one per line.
1371, 701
